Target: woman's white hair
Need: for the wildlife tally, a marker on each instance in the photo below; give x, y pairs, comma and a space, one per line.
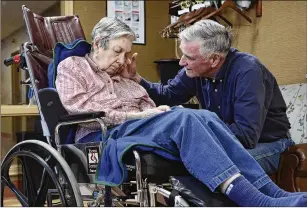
110, 28
214, 37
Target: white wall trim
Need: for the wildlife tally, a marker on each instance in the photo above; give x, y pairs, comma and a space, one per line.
67, 8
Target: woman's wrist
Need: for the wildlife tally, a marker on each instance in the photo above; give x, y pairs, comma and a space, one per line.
130, 116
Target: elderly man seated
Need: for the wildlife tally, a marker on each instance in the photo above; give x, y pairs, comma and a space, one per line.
205, 145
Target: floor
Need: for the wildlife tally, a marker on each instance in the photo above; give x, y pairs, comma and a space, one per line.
11, 202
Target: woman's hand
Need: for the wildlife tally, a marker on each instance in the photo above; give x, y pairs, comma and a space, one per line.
129, 69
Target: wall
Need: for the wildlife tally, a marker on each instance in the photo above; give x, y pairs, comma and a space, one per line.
9, 45
278, 38
90, 12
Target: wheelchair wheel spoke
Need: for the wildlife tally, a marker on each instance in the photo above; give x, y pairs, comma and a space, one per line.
50, 177
42, 191
22, 199
2, 193
31, 190
35, 197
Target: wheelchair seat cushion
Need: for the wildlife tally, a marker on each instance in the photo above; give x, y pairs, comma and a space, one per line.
155, 168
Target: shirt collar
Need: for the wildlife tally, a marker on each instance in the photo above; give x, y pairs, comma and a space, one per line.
92, 63
229, 58
116, 78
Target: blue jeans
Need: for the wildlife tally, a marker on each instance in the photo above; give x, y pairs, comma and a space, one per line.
207, 148
268, 154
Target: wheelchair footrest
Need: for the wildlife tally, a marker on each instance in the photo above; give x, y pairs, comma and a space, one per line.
197, 194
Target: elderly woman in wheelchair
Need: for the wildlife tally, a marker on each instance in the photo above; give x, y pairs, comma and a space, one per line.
198, 138
138, 144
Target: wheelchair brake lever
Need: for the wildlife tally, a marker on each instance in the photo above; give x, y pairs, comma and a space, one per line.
28, 82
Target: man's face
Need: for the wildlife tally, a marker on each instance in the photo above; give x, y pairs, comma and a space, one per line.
112, 59
196, 65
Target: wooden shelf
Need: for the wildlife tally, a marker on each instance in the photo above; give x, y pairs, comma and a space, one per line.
19, 110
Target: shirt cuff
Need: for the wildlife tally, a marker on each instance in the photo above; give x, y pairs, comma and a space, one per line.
144, 83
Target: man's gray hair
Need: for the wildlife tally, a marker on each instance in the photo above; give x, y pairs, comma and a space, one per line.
110, 28
214, 37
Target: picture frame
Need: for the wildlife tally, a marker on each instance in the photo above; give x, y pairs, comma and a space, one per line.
132, 12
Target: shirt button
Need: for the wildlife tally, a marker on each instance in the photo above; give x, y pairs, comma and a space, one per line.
215, 90
221, 80
111, 93
219, 107
108, 81
213, 81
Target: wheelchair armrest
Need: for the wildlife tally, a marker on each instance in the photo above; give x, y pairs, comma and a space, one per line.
81, 116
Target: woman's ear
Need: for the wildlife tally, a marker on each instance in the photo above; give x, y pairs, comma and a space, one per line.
96, 44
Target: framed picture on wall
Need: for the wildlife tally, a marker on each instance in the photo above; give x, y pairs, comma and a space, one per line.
132, 12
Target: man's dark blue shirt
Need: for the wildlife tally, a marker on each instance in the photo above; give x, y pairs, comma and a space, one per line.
244, 94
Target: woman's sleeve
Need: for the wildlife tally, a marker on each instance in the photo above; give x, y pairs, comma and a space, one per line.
146, 103
73, 93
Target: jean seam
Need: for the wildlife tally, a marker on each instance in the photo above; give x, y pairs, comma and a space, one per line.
258, 157
222, 177
261, 181
273, 152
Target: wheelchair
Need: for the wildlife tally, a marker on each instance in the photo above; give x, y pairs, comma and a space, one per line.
67, 170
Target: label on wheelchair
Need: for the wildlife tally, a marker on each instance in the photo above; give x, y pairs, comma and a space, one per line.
92, 158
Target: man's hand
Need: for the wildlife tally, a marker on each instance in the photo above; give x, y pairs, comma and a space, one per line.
129, 69
164, 108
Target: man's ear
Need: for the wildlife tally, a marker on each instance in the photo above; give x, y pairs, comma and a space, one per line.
215, 60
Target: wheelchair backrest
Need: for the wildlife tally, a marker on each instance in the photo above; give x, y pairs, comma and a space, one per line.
38, 63
45, 32
48, 101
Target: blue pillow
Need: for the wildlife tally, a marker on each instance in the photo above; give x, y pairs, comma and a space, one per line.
62, 51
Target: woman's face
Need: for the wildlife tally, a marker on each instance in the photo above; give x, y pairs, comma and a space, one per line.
113, 58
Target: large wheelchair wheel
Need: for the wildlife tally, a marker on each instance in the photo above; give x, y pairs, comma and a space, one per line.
57, 183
